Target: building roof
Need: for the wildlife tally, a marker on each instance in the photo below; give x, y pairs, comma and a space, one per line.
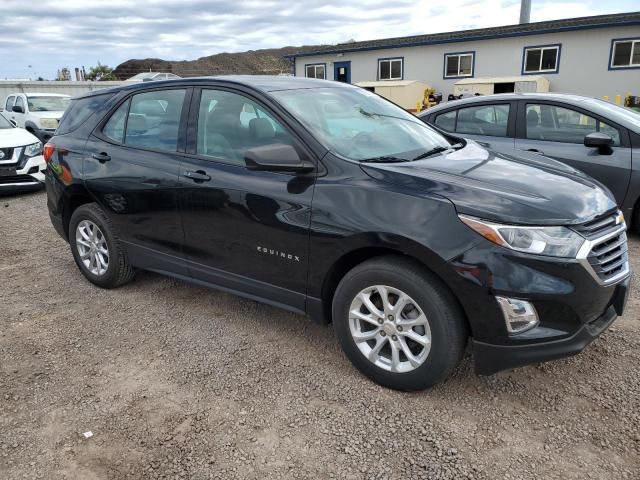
536, 28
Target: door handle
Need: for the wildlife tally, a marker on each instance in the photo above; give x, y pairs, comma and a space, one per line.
535, 150
101, 157
197, 176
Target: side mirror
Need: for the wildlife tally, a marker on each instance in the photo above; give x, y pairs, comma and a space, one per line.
277, 157
599, 140
18, 109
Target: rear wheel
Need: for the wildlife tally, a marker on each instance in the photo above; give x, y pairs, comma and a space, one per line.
96, 248
398, 324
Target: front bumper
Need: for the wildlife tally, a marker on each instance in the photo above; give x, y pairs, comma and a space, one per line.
492, 358
573, 307
27, 176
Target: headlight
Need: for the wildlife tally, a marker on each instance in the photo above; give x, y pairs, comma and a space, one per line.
50, 123
33, 149
552, 241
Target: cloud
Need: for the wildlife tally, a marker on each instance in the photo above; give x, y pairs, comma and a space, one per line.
49, 34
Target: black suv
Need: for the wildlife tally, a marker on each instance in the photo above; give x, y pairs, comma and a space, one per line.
326, 199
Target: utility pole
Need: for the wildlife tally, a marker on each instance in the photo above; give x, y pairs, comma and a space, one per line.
525, 11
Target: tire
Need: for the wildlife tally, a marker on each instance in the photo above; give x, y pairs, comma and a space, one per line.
114, 269
421, 292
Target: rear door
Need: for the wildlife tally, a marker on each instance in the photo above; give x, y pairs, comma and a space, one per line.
131, 166
490, 124
557, 130
245, 230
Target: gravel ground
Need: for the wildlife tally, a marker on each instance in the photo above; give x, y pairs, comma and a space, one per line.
178, 381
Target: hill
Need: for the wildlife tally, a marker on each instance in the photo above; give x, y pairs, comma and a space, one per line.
269, 61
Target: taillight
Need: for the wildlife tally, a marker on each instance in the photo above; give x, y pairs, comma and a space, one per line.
47, 151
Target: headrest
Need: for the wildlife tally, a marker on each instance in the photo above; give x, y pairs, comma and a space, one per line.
136, 124
261, 128
532, 118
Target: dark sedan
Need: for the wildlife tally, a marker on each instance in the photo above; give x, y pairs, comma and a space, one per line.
594, 136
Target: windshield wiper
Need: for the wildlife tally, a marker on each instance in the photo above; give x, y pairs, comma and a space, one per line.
439, 149
385, 159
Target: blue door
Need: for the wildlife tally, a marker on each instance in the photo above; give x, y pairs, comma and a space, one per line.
342, 72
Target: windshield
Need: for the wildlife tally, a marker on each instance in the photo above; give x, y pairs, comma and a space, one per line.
360, 125
47, 104
4, 123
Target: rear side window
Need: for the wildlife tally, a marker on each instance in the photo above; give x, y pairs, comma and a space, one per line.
114, 129
559, 124
10, 101
79, 111
153, 120
491, 120
447, 121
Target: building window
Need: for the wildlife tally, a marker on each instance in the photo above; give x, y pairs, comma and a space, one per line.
625, 53
458, 65
390, 68
315, 71
542, 59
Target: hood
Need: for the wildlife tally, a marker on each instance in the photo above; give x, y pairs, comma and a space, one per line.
57, 114
503, 188
15, 137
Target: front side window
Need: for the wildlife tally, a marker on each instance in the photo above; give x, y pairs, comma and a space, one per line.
559, 124
458, 64
357, 124
315, 71
47, 104
390, 68
489, 120
230, 124
625, 53
19, 102
544, 59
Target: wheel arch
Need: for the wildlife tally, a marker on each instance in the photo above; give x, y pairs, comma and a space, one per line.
79, 196
391, 245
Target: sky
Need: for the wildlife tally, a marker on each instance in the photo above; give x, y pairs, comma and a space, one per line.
39, 36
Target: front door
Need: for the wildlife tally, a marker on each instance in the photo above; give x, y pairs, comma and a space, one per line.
558, 132
245, 230
131, 168
342, 72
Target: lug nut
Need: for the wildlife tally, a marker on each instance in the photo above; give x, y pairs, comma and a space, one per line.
393, 337
399, 328
383, 334
391, 318
380, 321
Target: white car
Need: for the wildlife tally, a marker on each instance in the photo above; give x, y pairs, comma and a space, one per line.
38, 113
21, 162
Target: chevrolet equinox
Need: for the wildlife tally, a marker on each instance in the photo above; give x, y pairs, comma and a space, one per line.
328, 200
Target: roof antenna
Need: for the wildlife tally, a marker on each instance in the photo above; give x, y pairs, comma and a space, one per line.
525, 11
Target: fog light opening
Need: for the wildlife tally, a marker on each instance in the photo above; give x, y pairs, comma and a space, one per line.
519, 315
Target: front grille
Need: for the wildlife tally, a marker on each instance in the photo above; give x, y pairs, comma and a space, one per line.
11, 179
605, 253
599, 225
7, 153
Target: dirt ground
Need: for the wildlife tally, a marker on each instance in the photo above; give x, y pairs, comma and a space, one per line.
178, 381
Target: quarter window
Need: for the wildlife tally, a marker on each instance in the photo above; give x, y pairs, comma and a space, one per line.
559, 124
390, 69
458, 64
315, 71
230, 124
541, 59
626, 53
114, 129
447, 121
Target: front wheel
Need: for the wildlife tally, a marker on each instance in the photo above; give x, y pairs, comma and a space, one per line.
398, 324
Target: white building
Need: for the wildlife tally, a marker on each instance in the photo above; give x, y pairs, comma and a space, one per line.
594, 56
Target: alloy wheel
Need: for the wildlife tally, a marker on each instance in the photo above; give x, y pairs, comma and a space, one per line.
92, 247
389, 328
